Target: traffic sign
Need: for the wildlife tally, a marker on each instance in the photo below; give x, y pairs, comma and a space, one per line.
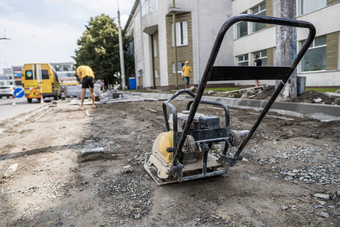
19, 92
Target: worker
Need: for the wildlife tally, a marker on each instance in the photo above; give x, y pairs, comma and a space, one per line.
258, 63
186, 69
86, 77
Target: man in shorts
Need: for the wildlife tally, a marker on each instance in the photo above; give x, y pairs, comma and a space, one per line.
186, 69
86, 77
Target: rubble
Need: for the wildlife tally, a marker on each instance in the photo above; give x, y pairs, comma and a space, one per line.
324, 215
322, 196
127, 169
85, 152
11, 170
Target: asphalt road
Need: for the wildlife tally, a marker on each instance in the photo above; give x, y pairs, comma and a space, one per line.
8, 110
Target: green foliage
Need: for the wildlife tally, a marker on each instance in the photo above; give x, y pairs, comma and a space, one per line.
323, 90
99, 48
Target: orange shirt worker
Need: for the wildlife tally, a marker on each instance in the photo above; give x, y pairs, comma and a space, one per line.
86, 76
186, 70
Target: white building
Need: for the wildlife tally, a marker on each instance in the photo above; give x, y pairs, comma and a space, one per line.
197, 24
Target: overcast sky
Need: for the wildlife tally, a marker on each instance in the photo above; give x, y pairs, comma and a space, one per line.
47, 30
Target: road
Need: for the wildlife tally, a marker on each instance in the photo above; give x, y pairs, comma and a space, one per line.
8, 110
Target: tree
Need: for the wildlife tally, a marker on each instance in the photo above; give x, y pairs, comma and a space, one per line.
99, 48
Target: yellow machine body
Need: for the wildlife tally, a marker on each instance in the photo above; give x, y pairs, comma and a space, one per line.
162, 142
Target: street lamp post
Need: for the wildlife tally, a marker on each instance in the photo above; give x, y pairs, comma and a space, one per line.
175, 43
121, 53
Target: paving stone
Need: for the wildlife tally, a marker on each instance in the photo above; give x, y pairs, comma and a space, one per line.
322, 196
324, 215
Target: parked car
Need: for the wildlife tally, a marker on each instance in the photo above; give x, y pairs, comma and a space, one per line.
7, 90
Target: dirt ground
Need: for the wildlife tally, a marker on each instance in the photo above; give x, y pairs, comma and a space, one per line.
46, 182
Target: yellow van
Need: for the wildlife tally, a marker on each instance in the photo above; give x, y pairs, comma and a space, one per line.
40, 80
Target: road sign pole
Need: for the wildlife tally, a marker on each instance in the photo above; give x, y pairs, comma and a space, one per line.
18, 93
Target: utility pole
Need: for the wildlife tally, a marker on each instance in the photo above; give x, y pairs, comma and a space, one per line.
286, 44
121, 52
175, 42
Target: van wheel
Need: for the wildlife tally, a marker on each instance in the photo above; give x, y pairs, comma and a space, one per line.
29, 100
55, 97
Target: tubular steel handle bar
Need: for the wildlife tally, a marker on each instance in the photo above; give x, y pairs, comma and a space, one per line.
210, 64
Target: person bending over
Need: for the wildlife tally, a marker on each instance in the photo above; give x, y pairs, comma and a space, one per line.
86, 77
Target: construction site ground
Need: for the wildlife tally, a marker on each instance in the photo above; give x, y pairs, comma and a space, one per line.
289, 175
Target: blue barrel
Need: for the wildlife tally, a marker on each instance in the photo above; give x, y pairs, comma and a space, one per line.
132, 83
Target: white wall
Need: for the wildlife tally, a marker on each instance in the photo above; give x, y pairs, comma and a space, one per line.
240, 6
135, 30
212, 15
256, 41
319, 79
325, 20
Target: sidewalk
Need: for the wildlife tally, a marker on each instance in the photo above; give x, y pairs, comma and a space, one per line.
321, 112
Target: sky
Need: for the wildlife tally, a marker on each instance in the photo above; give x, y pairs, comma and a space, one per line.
47, 30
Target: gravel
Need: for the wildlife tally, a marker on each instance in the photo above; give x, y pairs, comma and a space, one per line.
319, 166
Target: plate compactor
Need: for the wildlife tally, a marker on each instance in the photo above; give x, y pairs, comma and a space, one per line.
183, 152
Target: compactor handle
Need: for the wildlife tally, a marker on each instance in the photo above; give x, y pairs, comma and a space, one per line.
210, 64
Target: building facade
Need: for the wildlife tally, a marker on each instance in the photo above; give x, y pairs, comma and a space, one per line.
11, 76
197, 23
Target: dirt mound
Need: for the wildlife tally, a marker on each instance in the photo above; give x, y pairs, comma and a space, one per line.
313, 97
265, 93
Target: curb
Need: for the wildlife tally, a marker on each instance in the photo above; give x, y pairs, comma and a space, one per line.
320, 112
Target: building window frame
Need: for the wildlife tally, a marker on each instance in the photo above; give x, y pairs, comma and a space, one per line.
155, 47
179, 67
240, 34
318, 43
242, 60
140, 73
262, 55
320, 4
181, 33
148, 6
260, 10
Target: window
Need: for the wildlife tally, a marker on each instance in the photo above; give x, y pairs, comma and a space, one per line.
67, 68
148, 6
44, 74
140, 73
29, 75
181, 33
315, 57
155, 47
259, 10
179, 67
242, 60
242, 28
308, 6
263, 56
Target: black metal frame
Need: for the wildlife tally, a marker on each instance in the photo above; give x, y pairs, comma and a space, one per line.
221, 134
237, 73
